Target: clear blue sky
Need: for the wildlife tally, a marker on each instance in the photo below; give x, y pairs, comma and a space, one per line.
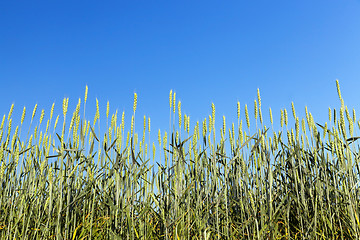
206, 51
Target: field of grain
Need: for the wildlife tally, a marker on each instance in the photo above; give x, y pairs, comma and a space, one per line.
196, 182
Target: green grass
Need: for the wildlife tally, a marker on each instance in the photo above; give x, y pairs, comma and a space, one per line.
76, 183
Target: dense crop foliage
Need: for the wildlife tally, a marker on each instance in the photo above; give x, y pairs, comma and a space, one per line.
59, 182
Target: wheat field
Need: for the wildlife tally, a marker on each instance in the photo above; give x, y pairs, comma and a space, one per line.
71, 181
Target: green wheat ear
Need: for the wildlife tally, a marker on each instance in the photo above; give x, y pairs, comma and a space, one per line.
259, 98
213, 113
293, 110
204, 127
179, 113
297, 128
255, 109
354, 116
174, 101
132, 125
64, 106
11, 111
238, 110
170, 99
86, 93
342, 122
56, 121
122, 120
224, 125
247, 116
42, 116
165, 139
34, 111
23, 116
107, 109
52, 111
303, 126
338, 89
159, 137
97, 114
188, 124
2, 122
135, 102
210, 123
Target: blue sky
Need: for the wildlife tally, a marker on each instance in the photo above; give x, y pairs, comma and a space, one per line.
205, 51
